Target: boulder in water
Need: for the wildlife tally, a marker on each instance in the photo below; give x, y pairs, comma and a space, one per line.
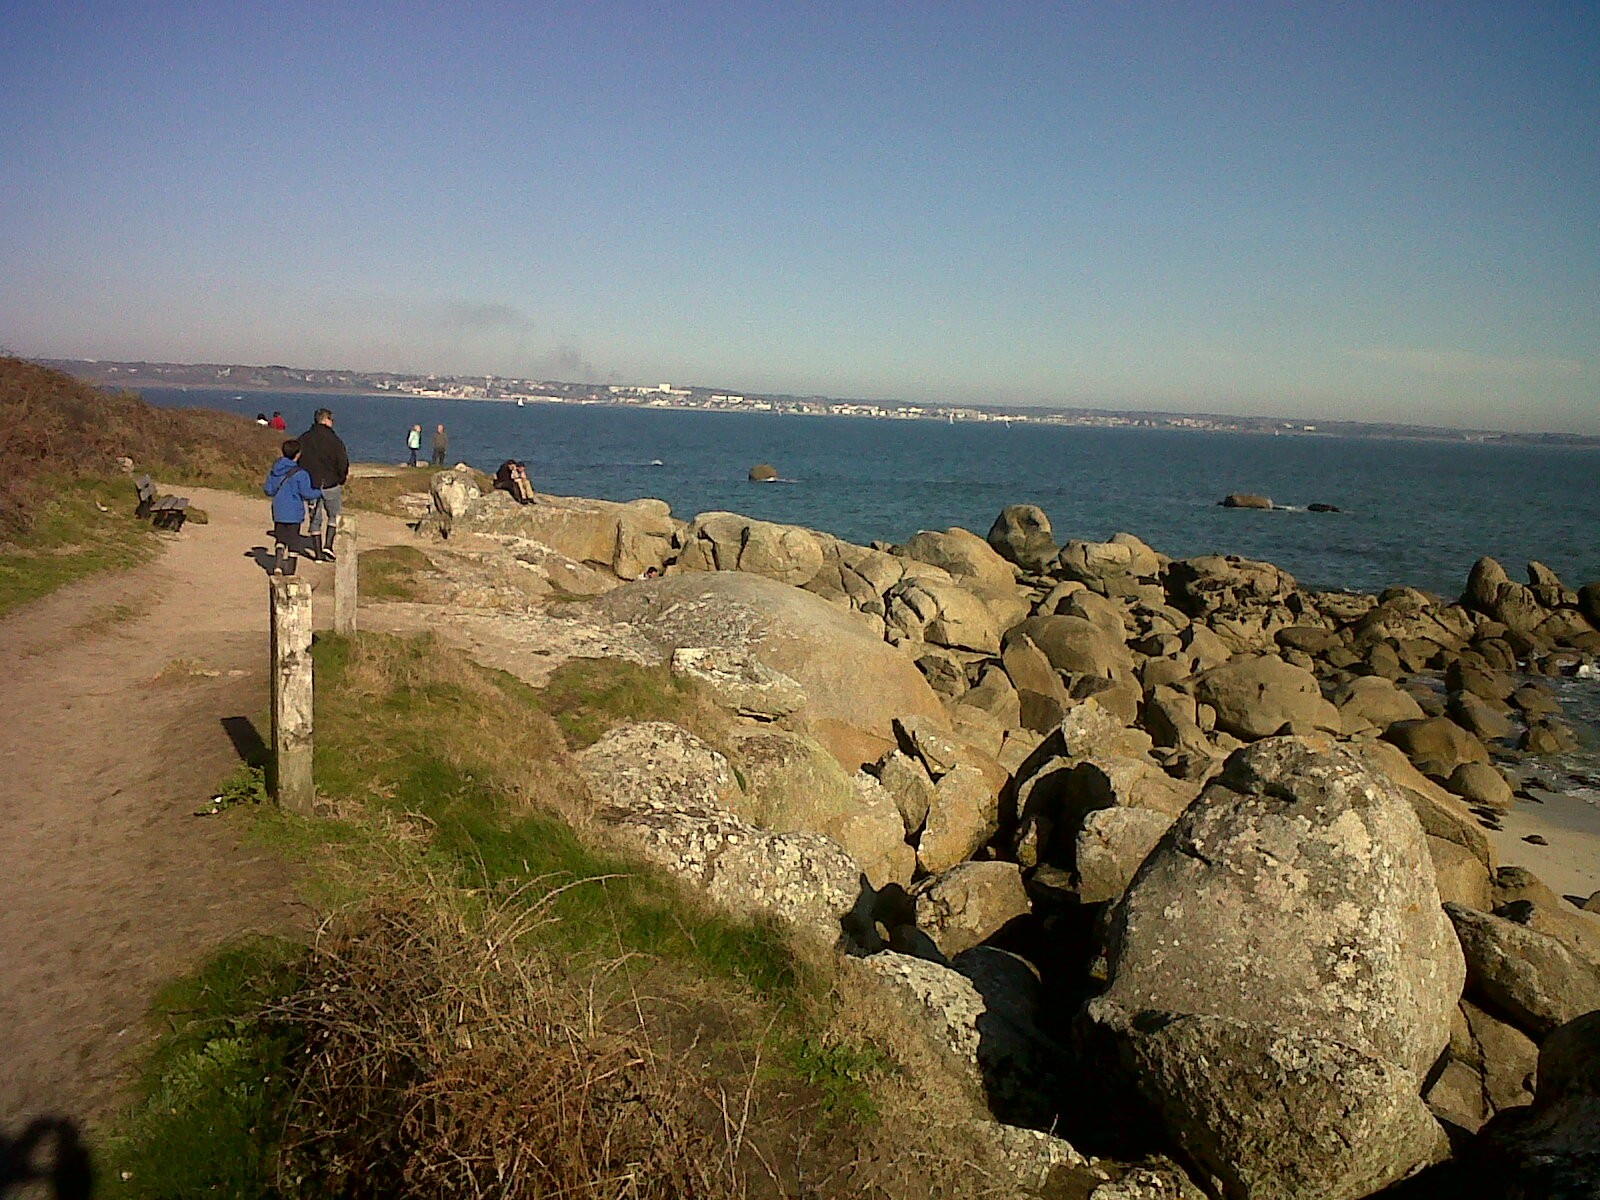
1245, 500
763, 473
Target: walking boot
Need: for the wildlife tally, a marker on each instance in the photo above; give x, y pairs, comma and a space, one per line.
327, 544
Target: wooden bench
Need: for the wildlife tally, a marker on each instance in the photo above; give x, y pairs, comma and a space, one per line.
165, 512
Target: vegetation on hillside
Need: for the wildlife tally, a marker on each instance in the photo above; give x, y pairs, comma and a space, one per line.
66, 506
498, 1004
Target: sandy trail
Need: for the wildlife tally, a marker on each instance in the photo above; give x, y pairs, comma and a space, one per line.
124, 698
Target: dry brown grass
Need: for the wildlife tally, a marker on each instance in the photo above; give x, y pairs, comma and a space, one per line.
448, 1057
55, 428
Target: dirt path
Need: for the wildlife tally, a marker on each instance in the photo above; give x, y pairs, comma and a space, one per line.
125, 700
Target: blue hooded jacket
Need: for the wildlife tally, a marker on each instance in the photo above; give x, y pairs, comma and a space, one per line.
290, 487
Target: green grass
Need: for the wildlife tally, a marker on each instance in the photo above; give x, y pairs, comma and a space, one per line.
589, 696
404, 752
393, 573
213, 1091
73, 538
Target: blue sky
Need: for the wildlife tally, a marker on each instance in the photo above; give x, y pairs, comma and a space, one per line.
1366, 211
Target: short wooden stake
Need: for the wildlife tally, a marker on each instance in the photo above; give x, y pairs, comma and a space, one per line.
291, 695
345, 549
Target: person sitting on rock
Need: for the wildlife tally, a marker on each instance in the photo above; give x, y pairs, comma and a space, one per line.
512, 477
290, 487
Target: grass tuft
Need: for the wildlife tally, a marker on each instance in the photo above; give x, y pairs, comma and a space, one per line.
393, 573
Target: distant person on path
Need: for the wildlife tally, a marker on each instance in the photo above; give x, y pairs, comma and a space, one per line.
441, 445
290, 487
323, 455
414, 442
278, 422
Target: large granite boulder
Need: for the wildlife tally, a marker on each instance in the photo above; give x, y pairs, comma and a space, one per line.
724, 541
669, 796
1437, 742
1274, 1114
963, 554
969, 903
1214, 583
1076, 645
1493, 593
793, 785
1120, 567
1532, 978
1371, 703
1281, 977
847, 673
982, 1013
1264, 695
942, 612
1021, 534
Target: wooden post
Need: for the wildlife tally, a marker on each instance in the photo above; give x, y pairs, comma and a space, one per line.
291, 695
345, 549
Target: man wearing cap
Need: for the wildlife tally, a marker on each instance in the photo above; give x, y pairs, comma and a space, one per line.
323, 455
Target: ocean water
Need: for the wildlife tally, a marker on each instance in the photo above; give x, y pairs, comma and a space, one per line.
1413, 512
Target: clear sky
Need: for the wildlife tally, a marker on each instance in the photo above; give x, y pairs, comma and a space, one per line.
1385, 211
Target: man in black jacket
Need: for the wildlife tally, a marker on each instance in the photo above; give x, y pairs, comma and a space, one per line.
325, 459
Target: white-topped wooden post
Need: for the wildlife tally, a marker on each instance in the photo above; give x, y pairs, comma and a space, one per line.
345, 550
292, 694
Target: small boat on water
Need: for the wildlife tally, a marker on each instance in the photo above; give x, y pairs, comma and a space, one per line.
519, 402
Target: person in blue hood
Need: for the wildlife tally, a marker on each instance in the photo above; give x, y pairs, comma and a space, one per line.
290, 487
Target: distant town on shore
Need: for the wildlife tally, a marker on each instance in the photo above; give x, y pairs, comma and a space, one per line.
240, 378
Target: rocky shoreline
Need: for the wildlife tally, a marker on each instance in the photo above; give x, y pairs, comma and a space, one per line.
1192, 870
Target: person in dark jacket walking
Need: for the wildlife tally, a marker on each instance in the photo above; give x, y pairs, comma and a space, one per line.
441, 445
290, 487
323, 455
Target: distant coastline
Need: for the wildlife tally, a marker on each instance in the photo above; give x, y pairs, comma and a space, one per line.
241, 379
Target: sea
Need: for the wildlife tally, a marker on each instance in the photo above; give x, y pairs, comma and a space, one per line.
1411, 512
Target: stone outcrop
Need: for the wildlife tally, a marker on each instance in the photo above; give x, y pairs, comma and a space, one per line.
1245, 500
847, 673
1048, 729
626, 539
739, 682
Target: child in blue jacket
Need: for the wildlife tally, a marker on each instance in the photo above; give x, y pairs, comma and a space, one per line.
290, 487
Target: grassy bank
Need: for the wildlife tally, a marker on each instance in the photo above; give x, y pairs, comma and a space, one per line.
496, 1003
66, 503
